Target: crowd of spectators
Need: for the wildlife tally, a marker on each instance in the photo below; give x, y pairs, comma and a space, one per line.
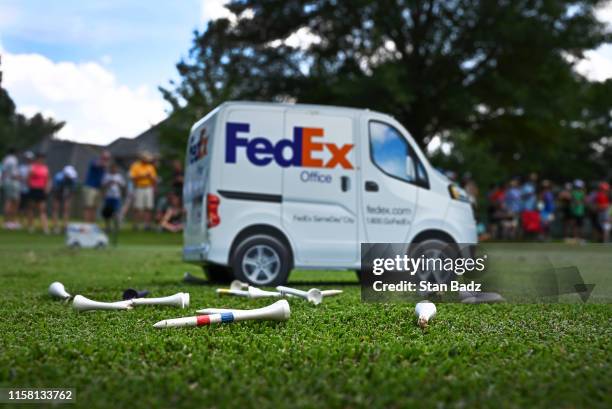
534, 208
29, 191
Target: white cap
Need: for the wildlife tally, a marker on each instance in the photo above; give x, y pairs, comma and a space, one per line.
70, 172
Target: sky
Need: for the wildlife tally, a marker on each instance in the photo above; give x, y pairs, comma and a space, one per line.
97, 64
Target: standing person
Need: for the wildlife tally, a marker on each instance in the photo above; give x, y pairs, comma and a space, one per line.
592, 213
602, 203
495, 209
24, 171
38, 185
565, 204
93, 185
528, 193
113, 184
512, 202
530, 217
577, 208
547, 208
144, 176
64, 184
11, 189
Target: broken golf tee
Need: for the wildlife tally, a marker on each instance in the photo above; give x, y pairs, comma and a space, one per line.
229, 291
313, 295
81, 304
57, 290
279, 311
177, 300
330, 293
238, 285
424, 310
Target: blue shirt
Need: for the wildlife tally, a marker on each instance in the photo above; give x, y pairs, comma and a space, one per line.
549, 202
529, 196
513, 200
95, 174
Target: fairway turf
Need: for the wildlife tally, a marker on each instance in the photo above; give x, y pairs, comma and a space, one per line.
343, 353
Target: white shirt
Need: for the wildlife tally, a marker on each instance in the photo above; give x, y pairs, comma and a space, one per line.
113, 183
10, 168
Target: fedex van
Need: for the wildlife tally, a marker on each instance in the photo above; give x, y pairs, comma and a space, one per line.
272, 187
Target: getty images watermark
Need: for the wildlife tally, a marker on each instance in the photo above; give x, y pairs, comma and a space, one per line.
424, 268
497, 272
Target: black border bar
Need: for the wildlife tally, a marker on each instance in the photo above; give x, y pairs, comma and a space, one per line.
255, 197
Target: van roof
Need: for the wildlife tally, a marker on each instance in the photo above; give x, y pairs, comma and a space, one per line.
353, 112
345, 110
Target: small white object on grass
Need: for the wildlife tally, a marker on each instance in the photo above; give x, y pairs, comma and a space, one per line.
330, 293
424, 310
238, 285
177, 300
57, 290
313, 295
81, 304
228, 291
255, 292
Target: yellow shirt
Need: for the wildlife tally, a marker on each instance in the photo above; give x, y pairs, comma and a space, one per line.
143, 174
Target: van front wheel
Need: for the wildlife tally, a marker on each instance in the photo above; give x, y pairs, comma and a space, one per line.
262, 260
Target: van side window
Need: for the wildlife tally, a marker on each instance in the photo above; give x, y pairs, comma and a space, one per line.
392, 154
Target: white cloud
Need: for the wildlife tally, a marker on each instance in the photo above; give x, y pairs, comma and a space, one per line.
86, 95
302, 39
215, 9
597, 64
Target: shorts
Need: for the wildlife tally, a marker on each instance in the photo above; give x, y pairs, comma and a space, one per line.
91, 196
11, 190
62, 194
578, 219
23, 200
143, 198
37, 195
111, 207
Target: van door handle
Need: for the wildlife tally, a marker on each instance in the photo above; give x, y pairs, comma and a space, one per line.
345, 183
371, 186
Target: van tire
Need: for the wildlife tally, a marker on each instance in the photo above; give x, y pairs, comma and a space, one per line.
434, 247
217, 273
271, 249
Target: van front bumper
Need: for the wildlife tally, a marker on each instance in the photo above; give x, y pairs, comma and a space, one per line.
196, 253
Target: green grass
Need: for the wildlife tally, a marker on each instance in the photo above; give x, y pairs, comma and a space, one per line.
343, 353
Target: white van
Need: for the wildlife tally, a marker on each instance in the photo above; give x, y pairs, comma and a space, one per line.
271, 187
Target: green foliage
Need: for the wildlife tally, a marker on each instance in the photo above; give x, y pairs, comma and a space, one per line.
499, 71
18, 131
343, 353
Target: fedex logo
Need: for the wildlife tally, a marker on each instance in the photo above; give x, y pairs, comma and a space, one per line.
198, 149
304, 149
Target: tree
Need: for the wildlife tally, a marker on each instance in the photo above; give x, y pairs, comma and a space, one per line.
18, 131
500, 72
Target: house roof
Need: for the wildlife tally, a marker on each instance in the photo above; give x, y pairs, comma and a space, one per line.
61, 153
124, 150
131, 147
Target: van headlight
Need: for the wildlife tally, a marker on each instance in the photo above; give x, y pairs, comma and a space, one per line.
458, 194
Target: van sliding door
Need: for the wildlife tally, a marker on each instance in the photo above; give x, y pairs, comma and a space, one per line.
319, 208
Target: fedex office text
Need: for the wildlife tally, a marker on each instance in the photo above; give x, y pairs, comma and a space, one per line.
304, 149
